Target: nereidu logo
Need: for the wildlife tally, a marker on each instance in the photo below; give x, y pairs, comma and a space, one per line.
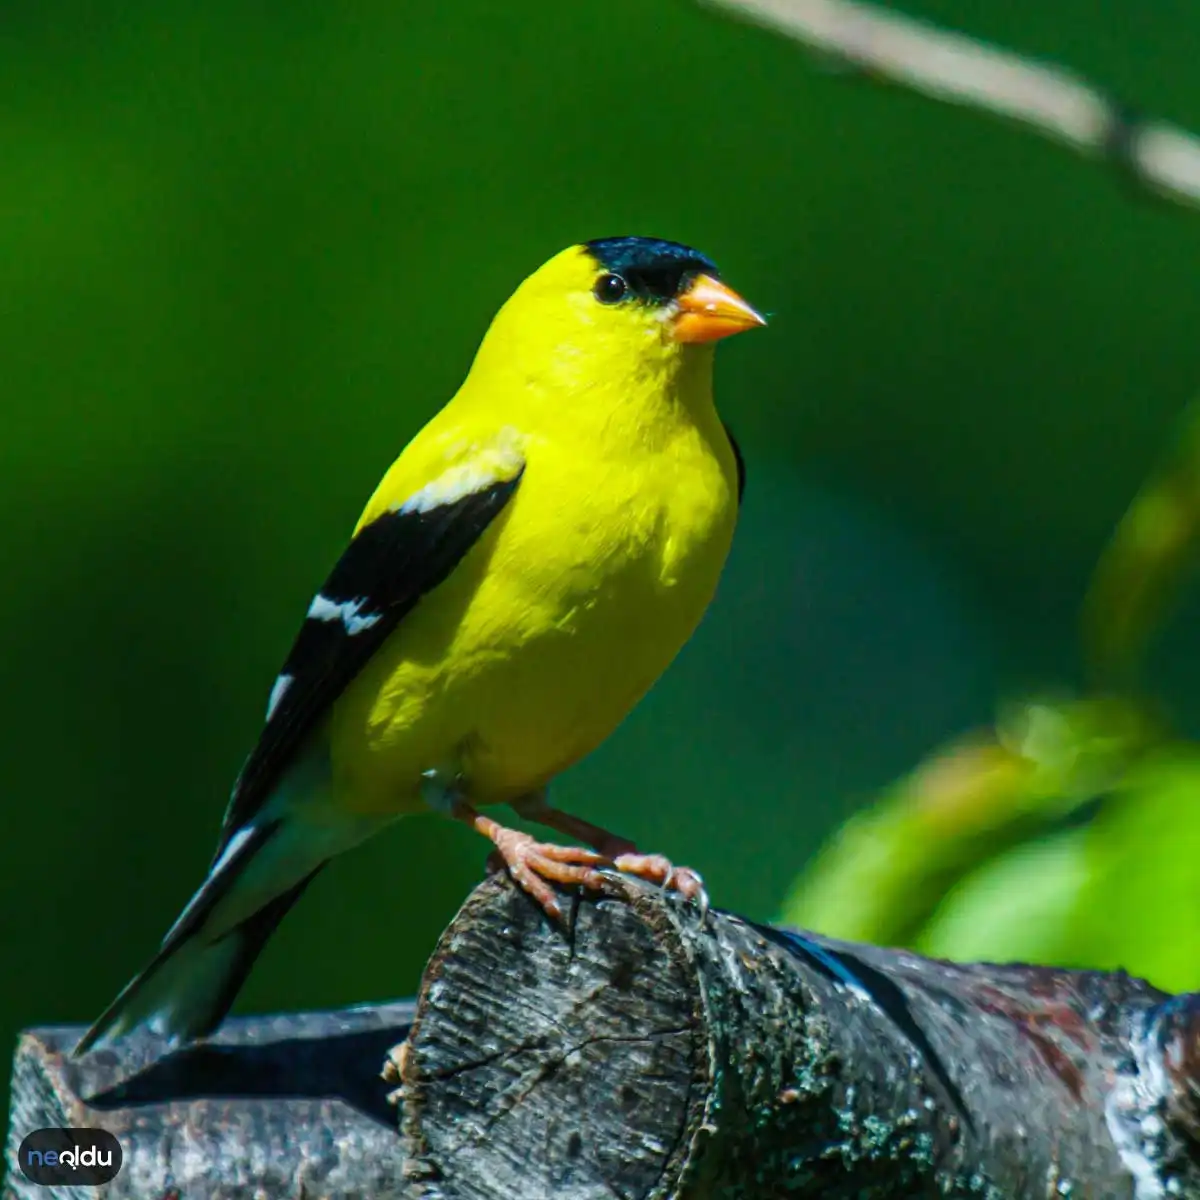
78, 1157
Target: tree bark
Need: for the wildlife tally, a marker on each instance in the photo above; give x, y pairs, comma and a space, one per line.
642, 1053
271, 1107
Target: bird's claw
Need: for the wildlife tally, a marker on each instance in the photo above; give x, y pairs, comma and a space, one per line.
535, 865
532, 863
655, 868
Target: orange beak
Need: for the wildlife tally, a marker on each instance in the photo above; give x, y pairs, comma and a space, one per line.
709, 310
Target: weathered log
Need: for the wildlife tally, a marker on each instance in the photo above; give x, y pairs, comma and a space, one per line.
642, 1053
647, 1055
271, 1107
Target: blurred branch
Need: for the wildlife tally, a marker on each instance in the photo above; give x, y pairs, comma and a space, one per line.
963, 70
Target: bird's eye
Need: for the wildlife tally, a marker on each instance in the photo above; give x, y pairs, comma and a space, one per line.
609, 289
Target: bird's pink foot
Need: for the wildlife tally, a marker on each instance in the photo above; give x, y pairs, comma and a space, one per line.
654, 868
535, 865
618, 852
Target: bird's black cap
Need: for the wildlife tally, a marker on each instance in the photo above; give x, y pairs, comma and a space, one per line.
654, 269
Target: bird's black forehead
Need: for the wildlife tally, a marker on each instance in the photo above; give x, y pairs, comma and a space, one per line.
621, 254
652, 267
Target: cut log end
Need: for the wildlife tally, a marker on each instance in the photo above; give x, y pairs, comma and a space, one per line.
555, 1062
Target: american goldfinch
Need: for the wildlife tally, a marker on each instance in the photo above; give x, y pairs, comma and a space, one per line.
527, 568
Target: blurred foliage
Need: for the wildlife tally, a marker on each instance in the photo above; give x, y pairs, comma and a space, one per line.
1068, 833
245, 251
1143, 567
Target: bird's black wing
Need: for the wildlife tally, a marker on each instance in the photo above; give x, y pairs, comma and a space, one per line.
385, 570
741, 462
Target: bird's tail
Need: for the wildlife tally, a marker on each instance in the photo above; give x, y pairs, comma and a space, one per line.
192, 981
191, 984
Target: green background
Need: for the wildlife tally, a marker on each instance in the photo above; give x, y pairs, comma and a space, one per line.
247, 250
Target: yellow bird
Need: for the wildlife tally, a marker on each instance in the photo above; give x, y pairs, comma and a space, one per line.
528, 567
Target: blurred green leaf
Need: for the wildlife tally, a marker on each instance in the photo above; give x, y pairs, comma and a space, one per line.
1015, 907
967, 856
1145, 563
888, 872
1139, 906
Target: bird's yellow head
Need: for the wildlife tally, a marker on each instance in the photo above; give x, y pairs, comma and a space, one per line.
628, 316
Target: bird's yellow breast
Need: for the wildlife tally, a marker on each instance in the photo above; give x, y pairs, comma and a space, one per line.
553, 625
